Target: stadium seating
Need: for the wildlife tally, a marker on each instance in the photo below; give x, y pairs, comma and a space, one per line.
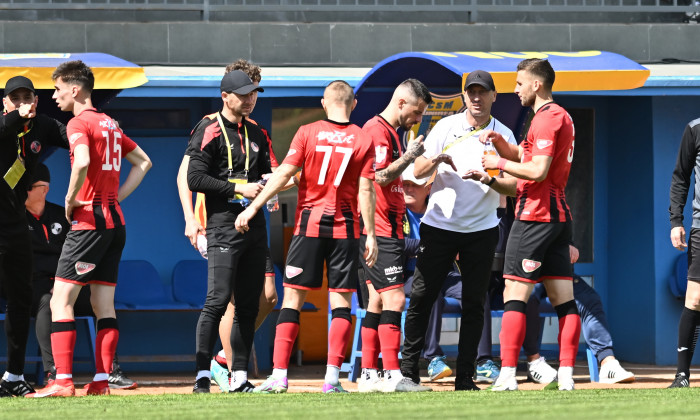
190, 282
139, 288
678, 281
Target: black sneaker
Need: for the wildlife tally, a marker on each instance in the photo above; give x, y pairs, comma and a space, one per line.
466, 384
17, 388
202, 386
118, 380
246, 387
680, 382
4, 393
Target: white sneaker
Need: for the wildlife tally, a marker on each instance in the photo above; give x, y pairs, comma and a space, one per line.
389, 382
539, 371
369, 383
612, 373
506, 380
565, 378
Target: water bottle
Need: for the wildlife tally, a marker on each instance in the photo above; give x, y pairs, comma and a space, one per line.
273, 204
489, 149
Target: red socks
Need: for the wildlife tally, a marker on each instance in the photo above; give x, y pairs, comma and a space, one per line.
370, 341
338, 338
106, 344
390, 339
512, 335
285, 335
63, 336
569, 334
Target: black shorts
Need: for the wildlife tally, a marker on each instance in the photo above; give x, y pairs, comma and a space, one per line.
305, 260
694, 255
538, 251
387, 272
91, 256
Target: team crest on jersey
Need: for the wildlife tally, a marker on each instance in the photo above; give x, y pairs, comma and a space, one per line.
380, 154
291, 152
254, 146
442, 106
335, 137
35, 146
56, 228
108, 123
543, 144
530, 265
291, 271
74, 137
83, 268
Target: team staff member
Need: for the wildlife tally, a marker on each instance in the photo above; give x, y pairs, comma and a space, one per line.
23, 136
230, 157
195, 224
381, 328
680, 184
93, 247
461, 219
338, 165
538, 245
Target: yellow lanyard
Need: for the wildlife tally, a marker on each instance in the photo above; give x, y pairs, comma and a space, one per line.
26, 131
228, 146
471, 133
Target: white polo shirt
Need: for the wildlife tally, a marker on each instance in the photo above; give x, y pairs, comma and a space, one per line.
458, 204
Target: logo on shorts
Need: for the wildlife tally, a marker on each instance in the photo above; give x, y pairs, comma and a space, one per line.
35, 146
291, 271
254, 146
543, 144
391, 279
530, 265
56, 228
83, 268
394, 269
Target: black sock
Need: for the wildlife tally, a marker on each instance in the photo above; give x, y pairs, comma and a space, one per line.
687, 339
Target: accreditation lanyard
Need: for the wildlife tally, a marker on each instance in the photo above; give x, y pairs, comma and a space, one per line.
228, 147
472, 132
14, 174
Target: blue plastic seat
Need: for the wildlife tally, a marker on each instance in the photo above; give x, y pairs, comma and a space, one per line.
139, 288
678, 281
190, 282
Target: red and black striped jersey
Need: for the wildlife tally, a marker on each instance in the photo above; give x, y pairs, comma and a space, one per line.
333, 157
390, 202
551, 133
107, 144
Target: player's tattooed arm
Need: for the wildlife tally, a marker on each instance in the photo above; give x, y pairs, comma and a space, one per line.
395, 169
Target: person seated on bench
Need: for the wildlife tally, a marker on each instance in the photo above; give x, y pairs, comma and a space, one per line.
594, 327
48, 227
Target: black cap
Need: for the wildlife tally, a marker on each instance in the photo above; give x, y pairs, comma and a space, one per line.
481, 78
41, 173
238, 82
18, 82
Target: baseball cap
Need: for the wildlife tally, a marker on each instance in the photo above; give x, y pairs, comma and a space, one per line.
407, 175
18, 82
238, 82
481, 78
41, 173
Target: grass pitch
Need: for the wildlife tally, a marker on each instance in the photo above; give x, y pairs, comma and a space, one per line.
581, 404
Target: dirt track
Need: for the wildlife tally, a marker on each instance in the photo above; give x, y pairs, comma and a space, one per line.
310, 379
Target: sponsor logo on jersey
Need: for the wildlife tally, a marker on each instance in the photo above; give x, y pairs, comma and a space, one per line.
291, 271
83, 268
74, 137
56, 228
530, 265
254, 146
108, 123
543, 144
397, 189
380, 154
336, 137
394, 269
35, 146
291, 152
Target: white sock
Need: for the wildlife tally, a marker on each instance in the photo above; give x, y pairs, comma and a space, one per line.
11, 377
395, 375
238, 378
203, 374
332, 375
100, 377
279, 373
64, 376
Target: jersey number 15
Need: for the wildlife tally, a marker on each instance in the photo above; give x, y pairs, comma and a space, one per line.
116, 161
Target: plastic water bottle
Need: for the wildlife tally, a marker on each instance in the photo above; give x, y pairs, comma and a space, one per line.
273, 204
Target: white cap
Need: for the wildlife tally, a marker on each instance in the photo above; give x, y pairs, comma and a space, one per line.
407, 175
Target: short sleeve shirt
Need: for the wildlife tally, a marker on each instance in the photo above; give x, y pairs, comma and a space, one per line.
333, 157
107, 144
457, 204
551, 134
